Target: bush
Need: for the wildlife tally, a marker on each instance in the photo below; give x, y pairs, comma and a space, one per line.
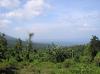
59, 65
28, 69
82, 68
7, 67
97, 59
85, 59
68, 63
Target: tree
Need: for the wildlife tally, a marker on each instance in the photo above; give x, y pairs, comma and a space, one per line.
30, 41
97, 59
30, 45
19, 45
3, 46
94, 46
18, 49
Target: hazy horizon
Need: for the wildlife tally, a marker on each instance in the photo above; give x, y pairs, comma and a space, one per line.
51, 20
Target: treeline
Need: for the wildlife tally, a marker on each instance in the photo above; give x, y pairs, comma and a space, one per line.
18, 51
27, 52
86, 54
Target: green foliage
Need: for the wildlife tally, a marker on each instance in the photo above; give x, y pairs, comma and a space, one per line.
87, 50
24, 59
3, 46
18, 50
94, 46
68, 63
28, 69
85, 59
82, 68
97, 59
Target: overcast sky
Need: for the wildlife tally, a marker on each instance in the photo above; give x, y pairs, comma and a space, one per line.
50, 20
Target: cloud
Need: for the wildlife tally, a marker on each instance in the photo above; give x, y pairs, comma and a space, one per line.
9, 3
37, 29
30, 9
84, 21
67, 26
4, 23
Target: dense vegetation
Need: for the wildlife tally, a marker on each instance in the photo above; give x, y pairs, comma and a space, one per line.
25, 59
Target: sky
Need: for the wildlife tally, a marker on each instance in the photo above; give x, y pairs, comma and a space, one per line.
50, 20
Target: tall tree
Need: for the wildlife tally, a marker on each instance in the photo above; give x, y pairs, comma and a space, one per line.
18, 45
30, 45
18, 49
30, 41
94, 46
3, 46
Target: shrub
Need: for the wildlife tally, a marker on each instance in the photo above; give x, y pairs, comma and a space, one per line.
28, 69
85, 59
59, 65
97, 59
68, 63
82, 69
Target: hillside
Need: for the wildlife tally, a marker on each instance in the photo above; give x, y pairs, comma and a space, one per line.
12, 41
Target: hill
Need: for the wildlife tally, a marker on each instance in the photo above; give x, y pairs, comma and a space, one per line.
12, 41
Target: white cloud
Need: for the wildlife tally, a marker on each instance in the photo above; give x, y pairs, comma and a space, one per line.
84, 21
4, 23
30, 9
66, 26
37, 29
9, 3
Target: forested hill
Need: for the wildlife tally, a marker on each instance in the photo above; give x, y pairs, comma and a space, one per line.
12, 41
24, 59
